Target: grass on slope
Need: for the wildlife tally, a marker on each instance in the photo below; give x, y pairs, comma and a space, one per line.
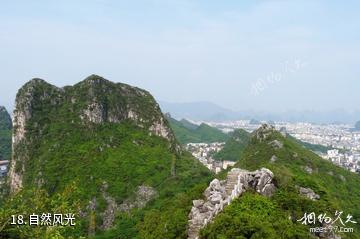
123, 156
312, 147
201, 134
235, 146
338, 188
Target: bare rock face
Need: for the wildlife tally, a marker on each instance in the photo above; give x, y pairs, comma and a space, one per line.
273, 159
309, 193
127, 106
91, 102
219, 194
28, 97
328, 233
263, 132
276, 144
308, 169
142, 196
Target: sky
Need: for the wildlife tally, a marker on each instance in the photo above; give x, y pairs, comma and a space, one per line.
243, 55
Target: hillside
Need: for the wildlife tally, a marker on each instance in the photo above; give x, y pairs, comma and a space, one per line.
186, 132
5, 134
103, 151
312, 147
296, 170
234, 146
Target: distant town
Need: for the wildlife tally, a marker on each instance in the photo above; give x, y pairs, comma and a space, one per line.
204, 152
342, 142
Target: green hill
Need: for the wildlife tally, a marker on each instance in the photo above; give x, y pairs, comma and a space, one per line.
187, 124
186, 132
5, 134
234, 146
254, 216
102, 151
312, 147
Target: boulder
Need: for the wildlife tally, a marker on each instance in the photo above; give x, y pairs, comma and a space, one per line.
309, 193
273, 159
276, 144
219, 194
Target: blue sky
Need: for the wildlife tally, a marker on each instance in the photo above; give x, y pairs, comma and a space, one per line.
181, 51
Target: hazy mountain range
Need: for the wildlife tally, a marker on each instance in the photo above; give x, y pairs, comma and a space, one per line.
203, 110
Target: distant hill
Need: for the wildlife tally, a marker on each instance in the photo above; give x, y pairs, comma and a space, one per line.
234, 146
198, 111
213, 112
186, 132
313, 147
187, 124
5, 134
305, 183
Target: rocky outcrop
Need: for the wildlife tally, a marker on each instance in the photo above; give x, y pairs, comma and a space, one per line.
308, 169
309, 193
273, 159
91, 102
143, 195
328, 232
219, 194
263, 132
128, 106
276, 144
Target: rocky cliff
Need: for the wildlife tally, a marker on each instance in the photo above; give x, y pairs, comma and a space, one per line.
93, 101
111, 147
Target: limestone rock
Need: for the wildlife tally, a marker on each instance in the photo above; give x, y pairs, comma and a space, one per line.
308, 169
273, 159
263, 132
309, 193
276, 144
220, 194
92, 101
143, 195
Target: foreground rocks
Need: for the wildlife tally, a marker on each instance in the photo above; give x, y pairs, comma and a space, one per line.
220, 194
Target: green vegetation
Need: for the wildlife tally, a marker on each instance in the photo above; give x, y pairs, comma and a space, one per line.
312, 147
234, 146
5, 134
187, 124
68, 161
186, 132
108, 158
253, 216
337, 187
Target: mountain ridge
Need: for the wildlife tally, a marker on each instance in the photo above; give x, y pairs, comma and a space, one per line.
208, 111
106, 151
305, 183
